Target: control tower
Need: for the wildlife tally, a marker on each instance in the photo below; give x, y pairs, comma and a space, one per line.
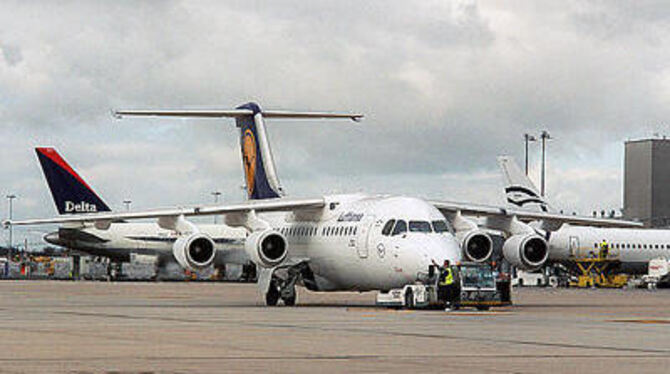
646, 195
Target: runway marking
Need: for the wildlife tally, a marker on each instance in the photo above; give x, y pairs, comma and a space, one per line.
488, 339
434, 311
642, 321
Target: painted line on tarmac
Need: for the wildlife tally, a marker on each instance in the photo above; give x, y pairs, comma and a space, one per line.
641, 321
354, 330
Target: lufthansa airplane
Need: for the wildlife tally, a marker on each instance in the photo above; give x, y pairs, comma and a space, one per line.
338, 242
72, 195
633, 248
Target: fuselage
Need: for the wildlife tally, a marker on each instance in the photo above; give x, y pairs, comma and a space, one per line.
633, 248
348, 247
351, 244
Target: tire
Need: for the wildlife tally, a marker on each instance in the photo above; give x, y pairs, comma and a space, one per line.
290, 301
272, 296
483, 307
409, 299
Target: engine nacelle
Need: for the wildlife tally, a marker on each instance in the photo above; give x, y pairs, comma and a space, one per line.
527, 252
194, 252
477, 245
266, 248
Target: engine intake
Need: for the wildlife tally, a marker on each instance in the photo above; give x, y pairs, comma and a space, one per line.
526, 252
194, 252
477, 246
266, 248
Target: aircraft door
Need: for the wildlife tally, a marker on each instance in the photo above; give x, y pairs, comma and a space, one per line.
365, 235
574, 246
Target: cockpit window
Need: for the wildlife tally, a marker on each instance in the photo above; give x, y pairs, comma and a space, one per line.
440, 226
400, 227
419, 226
387, 227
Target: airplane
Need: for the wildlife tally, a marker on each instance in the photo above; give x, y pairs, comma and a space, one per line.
633, 247
72, 195
348, 242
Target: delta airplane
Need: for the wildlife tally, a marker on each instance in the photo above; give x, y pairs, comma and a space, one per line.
633, 248
338, 242
72, 195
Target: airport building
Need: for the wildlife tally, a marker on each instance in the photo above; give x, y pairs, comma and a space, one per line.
647, 181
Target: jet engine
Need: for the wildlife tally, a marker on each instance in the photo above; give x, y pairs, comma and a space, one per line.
477, 245
526, 251
266, 248
194, 252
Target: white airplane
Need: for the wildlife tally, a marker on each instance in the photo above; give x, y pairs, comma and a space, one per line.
634, 248
339, 242
72, 195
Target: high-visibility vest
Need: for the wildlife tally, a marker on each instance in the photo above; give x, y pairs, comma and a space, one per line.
447, 277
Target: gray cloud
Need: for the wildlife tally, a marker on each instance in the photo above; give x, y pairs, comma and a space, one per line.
445, 86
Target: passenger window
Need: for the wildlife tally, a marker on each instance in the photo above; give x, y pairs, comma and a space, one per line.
387, 227
400, 227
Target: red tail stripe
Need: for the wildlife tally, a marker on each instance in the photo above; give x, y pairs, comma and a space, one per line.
53, 155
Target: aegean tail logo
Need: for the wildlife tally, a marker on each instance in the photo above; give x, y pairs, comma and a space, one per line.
82, 207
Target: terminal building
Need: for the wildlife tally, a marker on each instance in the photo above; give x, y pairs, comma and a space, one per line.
647, 181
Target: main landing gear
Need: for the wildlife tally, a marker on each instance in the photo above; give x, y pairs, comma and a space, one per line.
282, 282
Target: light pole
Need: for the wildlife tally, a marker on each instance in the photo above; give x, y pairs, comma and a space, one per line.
10, 198
528, 138
216, 195
127, 204
544, 136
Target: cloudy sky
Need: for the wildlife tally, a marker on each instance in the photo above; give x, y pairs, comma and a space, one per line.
445, 87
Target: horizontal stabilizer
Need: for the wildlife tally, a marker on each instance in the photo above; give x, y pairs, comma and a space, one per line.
235, 113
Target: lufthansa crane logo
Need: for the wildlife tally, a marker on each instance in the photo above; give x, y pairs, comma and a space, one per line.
249, 159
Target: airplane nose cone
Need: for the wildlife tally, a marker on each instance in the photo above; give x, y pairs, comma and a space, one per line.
443, 248
52, 238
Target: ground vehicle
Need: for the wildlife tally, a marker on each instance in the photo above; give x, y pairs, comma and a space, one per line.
480, 287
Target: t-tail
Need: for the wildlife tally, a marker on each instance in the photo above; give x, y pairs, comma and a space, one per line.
520, 190
261, 179
71, 194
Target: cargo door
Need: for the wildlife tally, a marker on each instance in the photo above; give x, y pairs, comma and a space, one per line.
574, 246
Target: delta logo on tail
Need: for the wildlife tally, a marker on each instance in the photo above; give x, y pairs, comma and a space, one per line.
71, 194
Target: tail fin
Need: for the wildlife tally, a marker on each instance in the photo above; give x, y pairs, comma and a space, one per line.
519, 189
259, 166
71, 194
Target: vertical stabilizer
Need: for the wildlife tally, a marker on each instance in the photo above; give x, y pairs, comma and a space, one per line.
71, 194
259, 167
519, 189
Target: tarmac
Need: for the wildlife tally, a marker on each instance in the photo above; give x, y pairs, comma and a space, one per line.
82, 327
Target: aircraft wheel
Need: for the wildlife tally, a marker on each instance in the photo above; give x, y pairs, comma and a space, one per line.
290, 301
272, 296
409, 299
483, 307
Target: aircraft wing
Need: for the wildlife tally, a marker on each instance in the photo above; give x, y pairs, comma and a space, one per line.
270, 205
447, 207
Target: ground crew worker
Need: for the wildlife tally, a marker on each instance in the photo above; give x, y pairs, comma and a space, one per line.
604, 250
445, 286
